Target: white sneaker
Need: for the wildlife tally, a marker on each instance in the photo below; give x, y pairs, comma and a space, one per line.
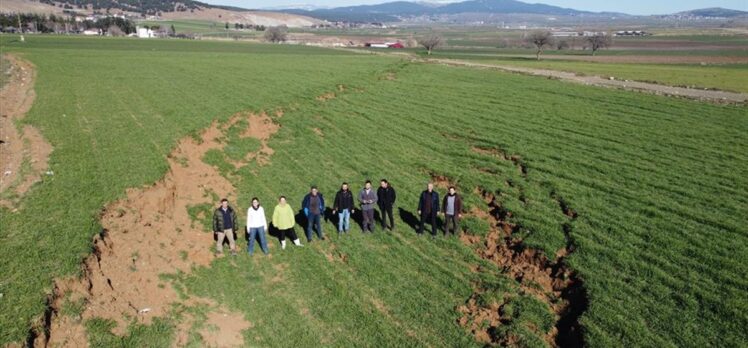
283, 244
297, 243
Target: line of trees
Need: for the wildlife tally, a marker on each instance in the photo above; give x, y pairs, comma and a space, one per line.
31, 22
544, 39
144, 7
241, 26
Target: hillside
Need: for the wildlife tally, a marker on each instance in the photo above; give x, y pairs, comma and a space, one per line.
395, 11
166, 9
714, 12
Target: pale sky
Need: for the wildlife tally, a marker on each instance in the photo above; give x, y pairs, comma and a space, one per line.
636, 7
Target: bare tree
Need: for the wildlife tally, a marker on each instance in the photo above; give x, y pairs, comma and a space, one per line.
276, 34
600, 40
430, 42
541, 40
114, 30
562, 45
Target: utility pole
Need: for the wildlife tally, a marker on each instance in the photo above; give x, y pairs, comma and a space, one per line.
19, 26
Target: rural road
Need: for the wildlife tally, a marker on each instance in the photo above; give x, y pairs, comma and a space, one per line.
691, 93
701, 94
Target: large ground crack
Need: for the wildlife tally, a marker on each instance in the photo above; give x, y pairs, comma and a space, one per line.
550, 281
149, 234
24, 152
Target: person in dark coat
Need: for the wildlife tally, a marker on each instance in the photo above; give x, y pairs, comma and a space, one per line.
344, 207
313, 206
452, 210
224, 226
428, 208
387, 196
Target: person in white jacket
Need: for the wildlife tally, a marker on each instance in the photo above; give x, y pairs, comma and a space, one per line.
257, 225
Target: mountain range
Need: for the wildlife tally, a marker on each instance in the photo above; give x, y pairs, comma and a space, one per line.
399, 10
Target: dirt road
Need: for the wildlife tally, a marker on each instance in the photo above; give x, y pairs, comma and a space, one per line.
714, 96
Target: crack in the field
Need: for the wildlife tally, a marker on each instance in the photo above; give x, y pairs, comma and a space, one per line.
551, 281
134, 219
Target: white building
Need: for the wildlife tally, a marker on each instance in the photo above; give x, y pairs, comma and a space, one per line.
145, 33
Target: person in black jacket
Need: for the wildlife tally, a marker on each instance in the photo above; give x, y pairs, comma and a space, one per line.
387, 196
224, 226
344, 207
428, 207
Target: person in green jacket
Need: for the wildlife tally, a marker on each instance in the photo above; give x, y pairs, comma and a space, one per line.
283, 220
224, 226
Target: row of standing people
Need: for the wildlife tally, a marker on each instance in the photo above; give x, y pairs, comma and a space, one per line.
313, 207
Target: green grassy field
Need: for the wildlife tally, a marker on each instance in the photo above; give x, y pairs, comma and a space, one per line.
659, 186
728, 77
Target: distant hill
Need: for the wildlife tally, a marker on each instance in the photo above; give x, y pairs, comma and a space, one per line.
395, 11
400, 10
714, 12
505, 6
166, 9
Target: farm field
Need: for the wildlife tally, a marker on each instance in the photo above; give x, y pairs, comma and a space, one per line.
634, 204
723, 76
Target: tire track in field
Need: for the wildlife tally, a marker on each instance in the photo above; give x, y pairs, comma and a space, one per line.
146, 235
551, 281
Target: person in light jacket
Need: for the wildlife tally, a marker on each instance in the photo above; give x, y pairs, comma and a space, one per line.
343, 205
452, 210
313, 206
368, 199
257, 226
283, 220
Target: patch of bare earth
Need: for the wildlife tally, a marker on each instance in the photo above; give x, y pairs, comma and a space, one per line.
325, 97
550, 281
24, 153
147, 234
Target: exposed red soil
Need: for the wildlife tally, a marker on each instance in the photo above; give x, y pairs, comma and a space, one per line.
150, 233
441, 181
260, 127
28, 144
550, 281
325, 97
516, 159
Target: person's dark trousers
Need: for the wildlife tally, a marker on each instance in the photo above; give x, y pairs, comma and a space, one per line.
453, 220
288, 232
430, 218
368, 220
387, 211
314, 220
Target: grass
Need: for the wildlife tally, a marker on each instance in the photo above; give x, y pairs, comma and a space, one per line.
728, 77
4, 70
658, 184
